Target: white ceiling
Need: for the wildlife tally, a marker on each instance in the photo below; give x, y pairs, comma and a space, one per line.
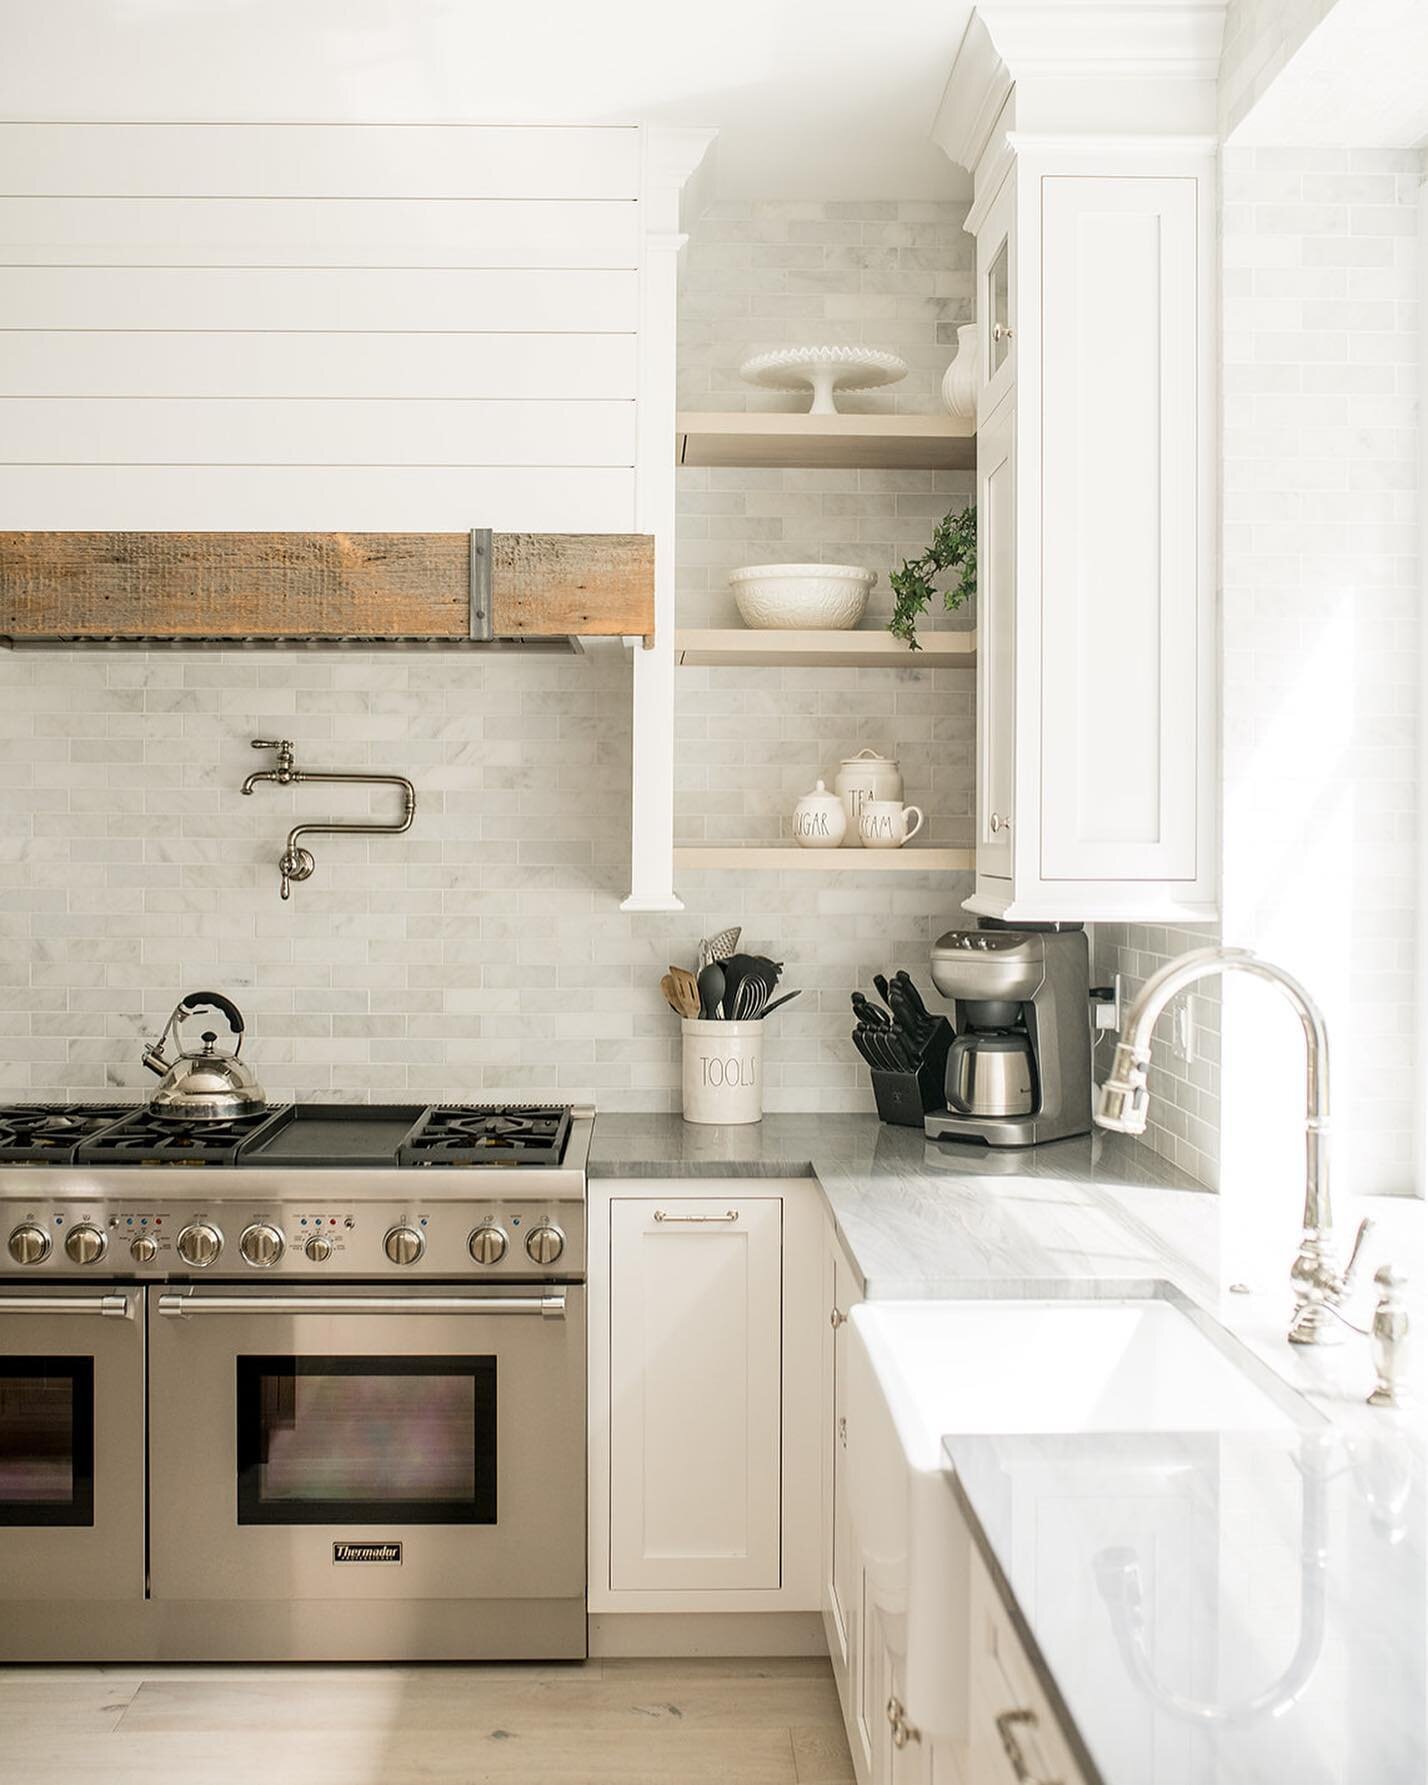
812, 98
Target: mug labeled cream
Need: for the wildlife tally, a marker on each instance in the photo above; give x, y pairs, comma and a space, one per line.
888, 824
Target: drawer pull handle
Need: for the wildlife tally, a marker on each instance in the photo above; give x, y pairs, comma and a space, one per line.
664, 1215
1007, 1725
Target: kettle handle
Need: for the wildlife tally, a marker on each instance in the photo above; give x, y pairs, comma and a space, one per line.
196, 1001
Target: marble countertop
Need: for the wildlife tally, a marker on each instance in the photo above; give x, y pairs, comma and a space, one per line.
920, 1217
1216, 1609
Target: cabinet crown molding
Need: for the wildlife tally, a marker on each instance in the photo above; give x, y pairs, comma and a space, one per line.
1117, 66
678, 176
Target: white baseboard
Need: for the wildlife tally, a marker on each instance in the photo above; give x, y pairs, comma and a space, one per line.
707, 1633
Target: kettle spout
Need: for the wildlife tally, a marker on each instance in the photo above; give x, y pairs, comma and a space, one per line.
153, 1057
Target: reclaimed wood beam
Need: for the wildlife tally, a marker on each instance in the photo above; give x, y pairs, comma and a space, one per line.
320, 585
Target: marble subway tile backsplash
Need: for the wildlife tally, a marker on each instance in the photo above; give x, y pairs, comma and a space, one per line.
1184, 1123
483, 954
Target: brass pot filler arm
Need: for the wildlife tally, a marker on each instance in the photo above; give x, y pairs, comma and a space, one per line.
296, 863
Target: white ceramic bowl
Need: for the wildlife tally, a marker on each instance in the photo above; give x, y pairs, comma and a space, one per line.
802, 597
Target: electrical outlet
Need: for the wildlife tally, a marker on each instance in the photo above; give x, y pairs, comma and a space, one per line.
1182, 1028
1106, 1007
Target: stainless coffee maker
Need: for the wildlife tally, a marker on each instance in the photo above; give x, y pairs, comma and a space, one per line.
1019, 1070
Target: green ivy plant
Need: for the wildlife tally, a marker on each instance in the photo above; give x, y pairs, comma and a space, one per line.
953, 548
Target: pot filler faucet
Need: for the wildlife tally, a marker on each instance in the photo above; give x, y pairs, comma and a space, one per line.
296, 863
1319, 1285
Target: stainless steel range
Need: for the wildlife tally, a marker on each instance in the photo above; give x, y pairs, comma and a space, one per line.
306, 1383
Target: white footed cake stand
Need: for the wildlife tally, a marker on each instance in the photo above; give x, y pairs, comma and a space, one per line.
825, 370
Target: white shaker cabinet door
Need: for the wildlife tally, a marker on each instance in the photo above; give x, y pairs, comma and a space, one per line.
840, 1568
695, 1392
1122, 578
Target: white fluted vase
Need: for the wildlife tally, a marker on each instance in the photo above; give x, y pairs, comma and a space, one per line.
959, 381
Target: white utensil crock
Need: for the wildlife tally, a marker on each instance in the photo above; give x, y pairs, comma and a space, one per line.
866, 776
723, 1071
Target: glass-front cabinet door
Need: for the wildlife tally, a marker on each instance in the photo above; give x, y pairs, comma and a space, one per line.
996, 298
71, 1445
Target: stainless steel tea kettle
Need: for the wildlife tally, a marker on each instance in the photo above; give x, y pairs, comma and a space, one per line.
205, 1085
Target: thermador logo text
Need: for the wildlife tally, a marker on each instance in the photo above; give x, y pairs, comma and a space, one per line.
367, 1552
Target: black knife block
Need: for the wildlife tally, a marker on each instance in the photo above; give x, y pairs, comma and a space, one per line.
904, 1098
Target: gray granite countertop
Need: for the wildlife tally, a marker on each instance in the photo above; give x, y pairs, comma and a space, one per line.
1228, 1609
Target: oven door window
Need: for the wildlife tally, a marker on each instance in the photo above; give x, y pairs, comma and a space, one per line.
363, 1440
46, 1440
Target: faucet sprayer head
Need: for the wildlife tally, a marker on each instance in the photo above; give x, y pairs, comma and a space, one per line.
1124, 1101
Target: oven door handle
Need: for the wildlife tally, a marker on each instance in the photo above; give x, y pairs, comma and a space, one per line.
115, 1307
549, 1307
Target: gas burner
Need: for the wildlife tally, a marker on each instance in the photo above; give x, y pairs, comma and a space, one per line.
49, 1133
148, 1138
487, 1134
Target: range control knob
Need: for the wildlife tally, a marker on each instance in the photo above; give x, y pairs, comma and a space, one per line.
545, 1243
487, 1244
144, 1249
403, 1245
29, 1244
86, 1244
199, 1244
318, 1248
262, 1245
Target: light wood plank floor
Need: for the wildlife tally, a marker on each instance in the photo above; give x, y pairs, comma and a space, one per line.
661, 1722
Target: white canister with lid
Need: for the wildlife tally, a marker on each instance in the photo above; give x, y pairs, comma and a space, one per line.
866, 776
820, 820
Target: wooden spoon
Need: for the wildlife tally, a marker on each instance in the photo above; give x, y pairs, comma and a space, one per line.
681, 991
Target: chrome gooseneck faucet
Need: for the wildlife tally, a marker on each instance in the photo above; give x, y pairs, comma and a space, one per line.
296, 863
1124, 1102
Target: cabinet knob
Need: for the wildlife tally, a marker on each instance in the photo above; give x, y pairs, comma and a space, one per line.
999, 823
837, 1319
903, 1732
1001, 331
843, 1433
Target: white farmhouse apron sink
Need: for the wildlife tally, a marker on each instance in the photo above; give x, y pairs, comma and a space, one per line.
919, 1371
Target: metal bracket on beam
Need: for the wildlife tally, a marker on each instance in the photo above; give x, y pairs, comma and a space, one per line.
481, 627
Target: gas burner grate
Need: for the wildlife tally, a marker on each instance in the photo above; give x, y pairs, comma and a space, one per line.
148, 1138
51, 1133
487, 1134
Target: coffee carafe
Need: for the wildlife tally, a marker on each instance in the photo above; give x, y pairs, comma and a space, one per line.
1019, 1070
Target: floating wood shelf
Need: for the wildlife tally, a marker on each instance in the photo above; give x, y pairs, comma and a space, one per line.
828, 650
825, 442
910, 860
276, 586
